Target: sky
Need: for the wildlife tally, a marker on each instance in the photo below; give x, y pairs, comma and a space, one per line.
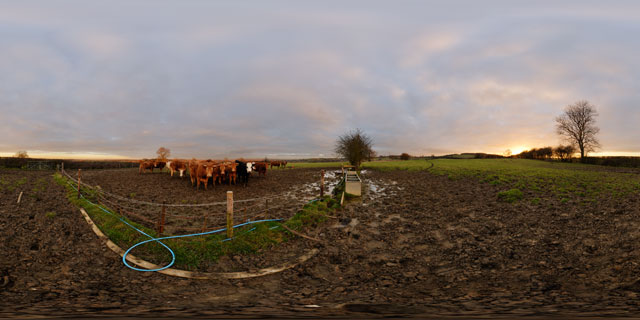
284, 79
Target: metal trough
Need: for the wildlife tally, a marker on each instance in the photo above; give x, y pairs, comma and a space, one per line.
353, 183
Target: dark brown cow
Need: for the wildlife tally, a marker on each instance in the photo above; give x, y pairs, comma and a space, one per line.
283, 164
275, 164
159, 164
177, 165
231, 172
261, 168
218, 173
146, 165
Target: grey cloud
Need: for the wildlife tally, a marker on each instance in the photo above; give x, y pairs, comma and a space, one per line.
232, 79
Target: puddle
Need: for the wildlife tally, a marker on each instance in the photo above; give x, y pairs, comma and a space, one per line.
374, 189
311, 190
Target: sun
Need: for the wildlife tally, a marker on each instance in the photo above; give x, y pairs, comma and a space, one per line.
518, 149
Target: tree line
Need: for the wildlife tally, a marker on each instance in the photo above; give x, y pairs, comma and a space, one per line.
564, 153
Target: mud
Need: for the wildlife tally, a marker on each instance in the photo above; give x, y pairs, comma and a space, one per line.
279, 194
430, 247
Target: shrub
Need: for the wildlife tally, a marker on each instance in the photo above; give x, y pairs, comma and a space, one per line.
405, 156
355, 146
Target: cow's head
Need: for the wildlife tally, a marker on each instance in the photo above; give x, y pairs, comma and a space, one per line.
168, 165
209, 170
249, 166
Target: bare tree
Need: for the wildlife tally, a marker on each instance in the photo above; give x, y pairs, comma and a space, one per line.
354, 146
578, 126
163, 153
21, 154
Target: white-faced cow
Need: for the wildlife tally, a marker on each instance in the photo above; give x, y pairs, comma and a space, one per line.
177, 165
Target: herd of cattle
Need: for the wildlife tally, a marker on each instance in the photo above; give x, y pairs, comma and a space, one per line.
201, 171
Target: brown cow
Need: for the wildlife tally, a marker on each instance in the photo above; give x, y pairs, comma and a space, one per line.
231, 172
283, 164
159, 164
218, 173
193, 167
177, 165
203, 173
275, 164
261, 168
146, 165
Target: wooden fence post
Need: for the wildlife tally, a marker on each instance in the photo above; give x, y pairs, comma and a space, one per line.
79, 178
229, 214
62, 166
266, 210
204, 223
322, 185
162, 216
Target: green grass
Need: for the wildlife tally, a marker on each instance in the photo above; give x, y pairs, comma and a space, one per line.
560, 181
50, 214
510, 196
195, 252
332, 164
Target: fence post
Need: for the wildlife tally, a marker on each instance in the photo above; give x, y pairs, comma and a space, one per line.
266, 210
62, 166
322, 185
161, 224
229, 214
79, 178
204, 223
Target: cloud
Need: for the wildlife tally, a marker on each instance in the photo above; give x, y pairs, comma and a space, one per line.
231, 79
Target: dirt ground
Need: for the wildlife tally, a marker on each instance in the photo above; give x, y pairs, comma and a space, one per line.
422, 246
287, 191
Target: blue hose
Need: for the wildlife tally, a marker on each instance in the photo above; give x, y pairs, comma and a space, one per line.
173, 255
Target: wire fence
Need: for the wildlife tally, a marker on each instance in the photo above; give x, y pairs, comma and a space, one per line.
174, 219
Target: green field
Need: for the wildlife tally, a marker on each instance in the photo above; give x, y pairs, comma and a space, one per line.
536, 179
530, 180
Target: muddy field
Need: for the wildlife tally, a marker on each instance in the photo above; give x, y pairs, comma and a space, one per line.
419, 245
285, 190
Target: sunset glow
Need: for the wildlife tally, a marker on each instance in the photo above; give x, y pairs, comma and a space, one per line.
517, 150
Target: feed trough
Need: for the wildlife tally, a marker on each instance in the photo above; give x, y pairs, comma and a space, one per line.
353, 183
